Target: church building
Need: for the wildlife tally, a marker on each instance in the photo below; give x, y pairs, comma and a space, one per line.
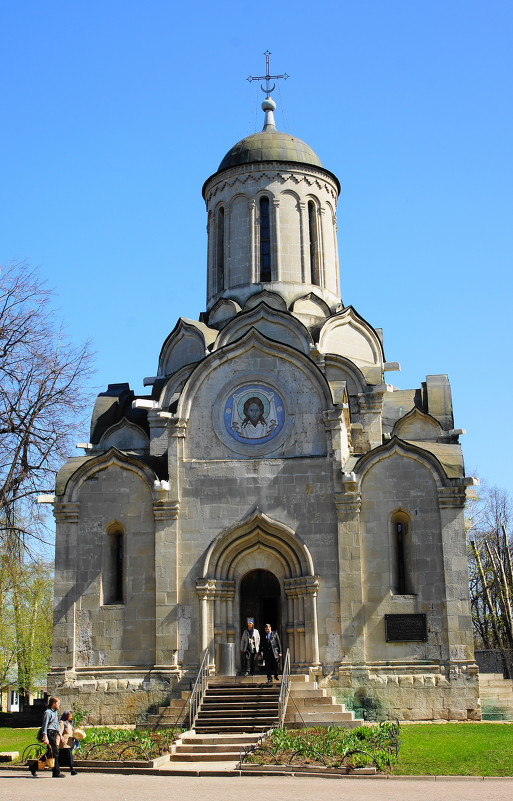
271, 472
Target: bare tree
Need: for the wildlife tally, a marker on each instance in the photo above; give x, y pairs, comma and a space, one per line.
43, 393
491, 573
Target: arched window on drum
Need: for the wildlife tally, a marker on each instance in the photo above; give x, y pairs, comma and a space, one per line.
265, 240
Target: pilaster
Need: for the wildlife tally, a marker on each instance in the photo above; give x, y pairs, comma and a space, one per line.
67, 531
165, 512
348, 506
451, 502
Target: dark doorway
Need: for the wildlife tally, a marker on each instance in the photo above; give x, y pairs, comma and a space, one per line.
260, 599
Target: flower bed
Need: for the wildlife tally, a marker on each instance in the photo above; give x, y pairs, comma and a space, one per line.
329, 748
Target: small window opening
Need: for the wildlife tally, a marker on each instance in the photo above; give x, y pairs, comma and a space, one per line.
314, 245
265, 240
220, 249
113, 584
400, 558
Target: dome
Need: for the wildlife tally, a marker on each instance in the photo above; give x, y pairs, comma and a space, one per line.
269, 145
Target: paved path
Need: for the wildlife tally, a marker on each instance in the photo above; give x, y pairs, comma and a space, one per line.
90, 786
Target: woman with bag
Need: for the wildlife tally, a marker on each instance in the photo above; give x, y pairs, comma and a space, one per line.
67, 742
51, 738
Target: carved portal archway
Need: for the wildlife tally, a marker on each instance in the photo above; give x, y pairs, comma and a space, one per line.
258, 542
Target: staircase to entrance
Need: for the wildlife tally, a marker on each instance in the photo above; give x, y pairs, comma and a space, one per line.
237, 710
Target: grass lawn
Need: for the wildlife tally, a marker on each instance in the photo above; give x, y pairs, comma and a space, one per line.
455, 749
16, 739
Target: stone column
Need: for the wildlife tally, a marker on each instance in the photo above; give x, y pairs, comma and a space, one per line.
206, 589
227, 247
311, 624
337, 425
290, 627
211, 261
322, 255
254, 271
335, 246
348, 506
229, 594
303, 227
275, 239
371, 408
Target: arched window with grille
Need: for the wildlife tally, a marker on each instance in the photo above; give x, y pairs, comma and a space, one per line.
113, 566
265, 240
220, 249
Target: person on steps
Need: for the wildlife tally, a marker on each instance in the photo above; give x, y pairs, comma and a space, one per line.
249, 647
271, 651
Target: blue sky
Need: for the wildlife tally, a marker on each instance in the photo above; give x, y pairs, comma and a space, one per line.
114, 114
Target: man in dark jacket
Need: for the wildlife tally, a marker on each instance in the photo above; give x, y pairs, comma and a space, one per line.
271, 650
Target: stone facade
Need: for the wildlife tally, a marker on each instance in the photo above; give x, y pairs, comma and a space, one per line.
273, 473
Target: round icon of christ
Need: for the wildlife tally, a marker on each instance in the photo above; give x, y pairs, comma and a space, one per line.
254, 414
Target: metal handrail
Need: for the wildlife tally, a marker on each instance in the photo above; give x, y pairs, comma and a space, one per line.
198, 690
284, 689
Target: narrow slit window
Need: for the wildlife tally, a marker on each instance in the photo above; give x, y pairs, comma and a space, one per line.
400, 547
220, 249
314, 245
265, 240
114, 569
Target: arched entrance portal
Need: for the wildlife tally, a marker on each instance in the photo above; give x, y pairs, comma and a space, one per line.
259, 568
260, 599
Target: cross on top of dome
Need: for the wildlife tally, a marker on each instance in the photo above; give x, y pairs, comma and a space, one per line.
267, 77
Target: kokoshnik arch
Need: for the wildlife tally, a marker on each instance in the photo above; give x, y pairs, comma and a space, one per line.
270, 471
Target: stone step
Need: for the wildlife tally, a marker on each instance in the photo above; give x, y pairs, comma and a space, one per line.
306, 691
192, 738
250, 690
242, 729
218, 756
188, 748
323, 700
235, 724
344, 719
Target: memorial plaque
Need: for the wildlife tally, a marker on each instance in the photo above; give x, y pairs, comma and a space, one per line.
402, 628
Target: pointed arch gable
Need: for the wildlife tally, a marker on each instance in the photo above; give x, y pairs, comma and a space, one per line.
407, 450
274, 324
271, 299
339, 368
255, 531
349, 335
112, 457
253, 339
187, 343
222, 311
311, 307
124, 435
417, 424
